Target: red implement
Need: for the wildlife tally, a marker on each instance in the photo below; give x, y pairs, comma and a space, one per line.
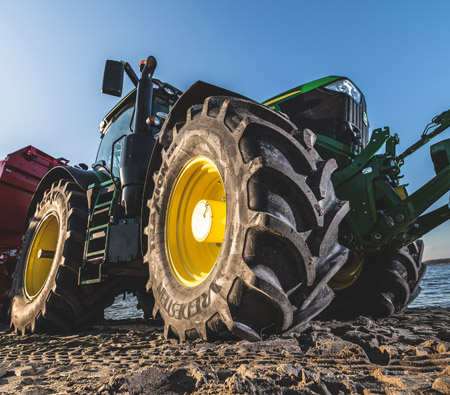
20, 174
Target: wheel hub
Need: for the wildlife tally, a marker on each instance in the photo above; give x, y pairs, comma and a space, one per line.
208, 221
348, 274
40, 255
195, 221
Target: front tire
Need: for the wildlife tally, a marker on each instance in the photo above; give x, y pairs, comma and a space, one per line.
387, 283
266, 269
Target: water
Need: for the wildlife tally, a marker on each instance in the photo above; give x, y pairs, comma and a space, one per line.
124, 309
435, 292
435, 288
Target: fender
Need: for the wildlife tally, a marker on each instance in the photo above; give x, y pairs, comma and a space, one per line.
195, 94
83, 178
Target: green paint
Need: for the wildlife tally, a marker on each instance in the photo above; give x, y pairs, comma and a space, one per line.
276, 100
329, 148
102, 177
365, 120
95, 281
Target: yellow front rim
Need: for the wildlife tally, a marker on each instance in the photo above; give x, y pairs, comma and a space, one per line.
195, 221
40, 255
348, 274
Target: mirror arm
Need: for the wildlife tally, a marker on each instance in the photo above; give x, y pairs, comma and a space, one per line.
130, 73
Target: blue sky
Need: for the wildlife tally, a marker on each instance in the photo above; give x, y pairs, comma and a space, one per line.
53, 56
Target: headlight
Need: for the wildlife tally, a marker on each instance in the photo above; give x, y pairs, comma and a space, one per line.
161, 115
347, 87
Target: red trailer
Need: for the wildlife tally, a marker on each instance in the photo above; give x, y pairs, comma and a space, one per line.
20, 173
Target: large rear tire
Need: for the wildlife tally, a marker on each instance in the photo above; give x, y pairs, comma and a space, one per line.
45, 296
266, 271
388, 282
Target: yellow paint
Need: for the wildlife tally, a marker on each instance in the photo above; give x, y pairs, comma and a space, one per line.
38, 269
191, 261
401, 191
347, 275
212, 215
281, 97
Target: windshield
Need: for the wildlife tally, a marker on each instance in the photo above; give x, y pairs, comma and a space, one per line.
121, 126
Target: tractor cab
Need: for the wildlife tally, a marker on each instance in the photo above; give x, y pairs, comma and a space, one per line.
119, 122
332, 107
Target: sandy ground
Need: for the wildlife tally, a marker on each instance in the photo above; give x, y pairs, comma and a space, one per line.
406, 354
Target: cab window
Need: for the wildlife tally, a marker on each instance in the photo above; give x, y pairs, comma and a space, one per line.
118, 128
122, 125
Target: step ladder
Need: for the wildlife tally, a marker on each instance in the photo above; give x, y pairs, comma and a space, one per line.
102, 196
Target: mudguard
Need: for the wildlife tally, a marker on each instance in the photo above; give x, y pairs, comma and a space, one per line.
83, 178
195, 94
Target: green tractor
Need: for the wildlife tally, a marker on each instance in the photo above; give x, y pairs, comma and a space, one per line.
227, 217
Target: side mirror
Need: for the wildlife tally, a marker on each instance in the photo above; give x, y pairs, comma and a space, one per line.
113, 78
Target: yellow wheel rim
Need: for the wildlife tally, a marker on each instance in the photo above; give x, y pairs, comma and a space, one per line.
348, 274
40, 255
195, 221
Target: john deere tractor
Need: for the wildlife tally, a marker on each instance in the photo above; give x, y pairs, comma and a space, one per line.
227, 217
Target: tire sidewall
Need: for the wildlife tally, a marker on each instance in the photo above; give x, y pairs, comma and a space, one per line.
177, 303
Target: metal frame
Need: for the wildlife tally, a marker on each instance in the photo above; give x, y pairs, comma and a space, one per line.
381, 216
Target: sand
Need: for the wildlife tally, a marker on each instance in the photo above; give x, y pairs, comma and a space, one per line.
409, 353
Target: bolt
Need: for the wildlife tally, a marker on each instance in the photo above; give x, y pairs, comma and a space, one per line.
390, 222
399, 217
206, 209
377, 236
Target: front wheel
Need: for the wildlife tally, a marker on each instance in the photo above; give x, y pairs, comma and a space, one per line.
243, 225
378, 285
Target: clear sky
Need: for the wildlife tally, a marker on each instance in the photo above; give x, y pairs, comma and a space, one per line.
53, 55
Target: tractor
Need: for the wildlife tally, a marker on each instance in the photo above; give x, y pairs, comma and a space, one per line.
228, 217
